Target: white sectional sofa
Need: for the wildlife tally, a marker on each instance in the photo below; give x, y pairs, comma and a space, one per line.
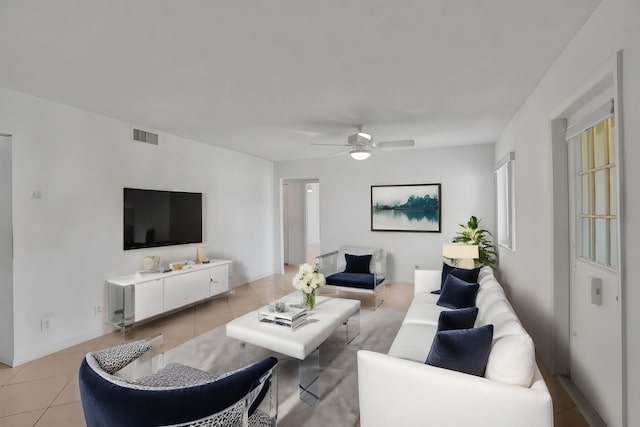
399, 389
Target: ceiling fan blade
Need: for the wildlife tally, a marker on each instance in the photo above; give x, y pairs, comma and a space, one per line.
333, 145
389, 144
339, 152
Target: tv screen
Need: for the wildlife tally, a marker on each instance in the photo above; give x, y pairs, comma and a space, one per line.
161, 218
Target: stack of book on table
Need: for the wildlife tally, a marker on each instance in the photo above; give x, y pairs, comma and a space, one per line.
291, 319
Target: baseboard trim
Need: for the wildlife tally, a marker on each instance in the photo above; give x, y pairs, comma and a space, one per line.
583, 405
24, 358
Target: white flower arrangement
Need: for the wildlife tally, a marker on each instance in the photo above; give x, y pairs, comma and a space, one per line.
308, 278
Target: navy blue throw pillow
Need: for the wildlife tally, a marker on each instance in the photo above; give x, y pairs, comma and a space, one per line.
463, 318
456, 293
462, 350
470, 276
357, 263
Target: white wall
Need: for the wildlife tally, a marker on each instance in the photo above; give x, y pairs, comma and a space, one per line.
529, 271
70, 240
313, 213
466, 175
6, 262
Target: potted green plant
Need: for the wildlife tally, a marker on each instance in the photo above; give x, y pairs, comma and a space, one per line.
472, 234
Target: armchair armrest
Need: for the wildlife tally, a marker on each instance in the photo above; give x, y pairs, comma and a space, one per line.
327, 263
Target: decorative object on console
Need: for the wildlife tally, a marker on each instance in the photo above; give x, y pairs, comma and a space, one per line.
461, 255
472, 234
150, 263
412, 207
201, 256
308, 280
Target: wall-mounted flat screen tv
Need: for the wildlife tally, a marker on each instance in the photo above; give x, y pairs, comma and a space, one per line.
161, 218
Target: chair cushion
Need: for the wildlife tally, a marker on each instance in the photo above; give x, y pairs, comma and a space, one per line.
456, 293
177, 375
111, 360
462, 350
352, 280
463, 318
357, 264
470, 276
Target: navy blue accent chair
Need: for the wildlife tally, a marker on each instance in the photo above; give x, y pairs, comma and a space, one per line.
355, 269
231, 399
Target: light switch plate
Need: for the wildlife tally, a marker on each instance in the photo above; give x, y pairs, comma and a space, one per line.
596, 290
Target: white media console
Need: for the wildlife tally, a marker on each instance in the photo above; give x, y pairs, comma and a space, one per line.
140, 296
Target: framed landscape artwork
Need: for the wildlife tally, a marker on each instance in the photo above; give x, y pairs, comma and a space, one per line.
413, 207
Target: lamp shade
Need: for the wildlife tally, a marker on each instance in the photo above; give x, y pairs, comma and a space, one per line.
360, 153
460, 251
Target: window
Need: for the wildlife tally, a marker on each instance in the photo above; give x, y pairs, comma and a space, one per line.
597, 189
505, 201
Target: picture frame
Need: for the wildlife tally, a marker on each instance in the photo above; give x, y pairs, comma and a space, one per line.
406, 207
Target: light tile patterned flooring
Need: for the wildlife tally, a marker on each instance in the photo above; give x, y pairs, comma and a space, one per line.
45, 392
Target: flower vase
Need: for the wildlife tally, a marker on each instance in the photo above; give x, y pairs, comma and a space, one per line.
309, 300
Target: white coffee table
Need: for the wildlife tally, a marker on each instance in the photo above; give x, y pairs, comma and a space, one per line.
304, 342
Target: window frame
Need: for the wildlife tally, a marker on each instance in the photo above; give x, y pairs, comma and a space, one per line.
505, 201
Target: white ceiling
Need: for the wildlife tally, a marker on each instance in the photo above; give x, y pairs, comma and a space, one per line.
268, 78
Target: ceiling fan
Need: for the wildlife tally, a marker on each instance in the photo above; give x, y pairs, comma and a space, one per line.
361, 143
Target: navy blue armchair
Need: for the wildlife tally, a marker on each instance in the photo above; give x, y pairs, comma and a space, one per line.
356, 269
177, 395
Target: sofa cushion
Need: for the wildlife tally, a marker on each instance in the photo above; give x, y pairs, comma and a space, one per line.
424, 310
357, 264
412, 342
462, 350
470, 276
512, 360
111, 360
457, 293
463, 318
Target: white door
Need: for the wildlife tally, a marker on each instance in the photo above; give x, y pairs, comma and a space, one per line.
595, 361
6, 253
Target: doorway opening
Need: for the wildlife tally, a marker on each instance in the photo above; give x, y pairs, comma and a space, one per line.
300, 220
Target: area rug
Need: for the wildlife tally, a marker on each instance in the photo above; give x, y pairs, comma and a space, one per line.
338, 405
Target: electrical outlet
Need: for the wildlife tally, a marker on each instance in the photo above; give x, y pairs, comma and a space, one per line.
97, 309
46, 324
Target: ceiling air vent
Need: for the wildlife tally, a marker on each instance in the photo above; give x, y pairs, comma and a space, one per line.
143, 136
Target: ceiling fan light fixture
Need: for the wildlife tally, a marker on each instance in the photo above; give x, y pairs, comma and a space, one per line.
365, 136
360, 153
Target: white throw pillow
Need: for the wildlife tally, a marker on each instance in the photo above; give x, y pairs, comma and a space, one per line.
512, 360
